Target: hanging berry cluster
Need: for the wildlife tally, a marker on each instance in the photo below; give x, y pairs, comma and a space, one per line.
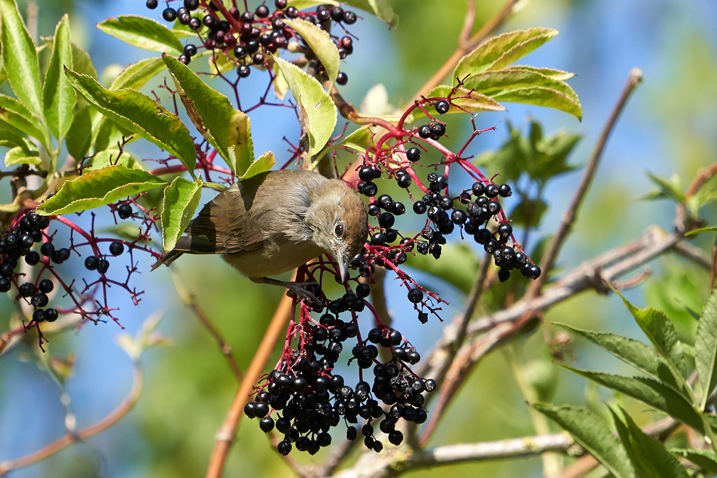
34, 239
247, 38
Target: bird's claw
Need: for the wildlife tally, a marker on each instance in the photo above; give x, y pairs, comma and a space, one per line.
299, 289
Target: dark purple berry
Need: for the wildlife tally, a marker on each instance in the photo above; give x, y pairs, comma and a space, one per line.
349, 18
191, 4
5, 284
413, 154
169, 14
116, 248
503, 274
190, 50
262, 11
39, 300
46, 286
39, 316
284, 447
124, 211
152, 4
438, 129
184, 59
442, 107
424, 131
337, 14
51, 315
195, 23
342, 78
491, 190
32, 258
280, 4
91, 263
26, 289
243, 71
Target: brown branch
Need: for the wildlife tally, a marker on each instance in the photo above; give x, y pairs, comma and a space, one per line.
225, 348
397, 461
570, 216
693, 253
227, 432
702, 177
92, 430
465, 47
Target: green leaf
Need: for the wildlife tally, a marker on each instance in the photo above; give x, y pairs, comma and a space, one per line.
633, 352
380, 8
136, 75
549, 72
320, 43
507, 47
81, 61
106, 133
181, 199
10, 140
79, 137
648, 456
227, 129
593, 434
667, 188
145, 338
317, 112
468, 100
58, 96
143, 33
524, 86
262, 164
701, 230
15, 116
648, 391
20, 58
140, 115
97, 188
661, 333
111, 156
358, 141
18, 155
705, 459
706, 345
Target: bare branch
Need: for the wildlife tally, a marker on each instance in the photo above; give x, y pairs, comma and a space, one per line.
92, 430
227, 432
551, 256
379, 466
224, 347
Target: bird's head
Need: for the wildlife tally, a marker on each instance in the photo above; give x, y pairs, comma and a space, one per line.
339, 221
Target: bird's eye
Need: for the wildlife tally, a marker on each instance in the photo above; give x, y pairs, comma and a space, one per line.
339, 231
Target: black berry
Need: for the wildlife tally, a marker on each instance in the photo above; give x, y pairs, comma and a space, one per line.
413, 154
442, 107
169, 14
124, 211
116, 248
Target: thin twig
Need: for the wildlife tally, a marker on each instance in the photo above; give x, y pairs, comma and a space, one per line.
466, 47
224, 347
702, 177
548, 262
92, 430
227, 432
382, 466
693, 253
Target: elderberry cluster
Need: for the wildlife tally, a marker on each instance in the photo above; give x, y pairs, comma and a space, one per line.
308, 399
253, 35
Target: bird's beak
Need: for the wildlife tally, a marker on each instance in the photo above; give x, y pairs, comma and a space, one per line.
343, 267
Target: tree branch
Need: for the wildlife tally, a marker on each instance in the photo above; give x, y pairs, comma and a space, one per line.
551, 256
227, 432
92, 430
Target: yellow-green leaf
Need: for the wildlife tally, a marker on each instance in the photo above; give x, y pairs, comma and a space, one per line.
320, 43
143, 33
97, 188
181, 199
262, 164
58, 96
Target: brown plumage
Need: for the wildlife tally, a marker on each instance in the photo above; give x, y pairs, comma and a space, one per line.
276, 221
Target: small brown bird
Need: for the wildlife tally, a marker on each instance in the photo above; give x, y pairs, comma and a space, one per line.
273, 222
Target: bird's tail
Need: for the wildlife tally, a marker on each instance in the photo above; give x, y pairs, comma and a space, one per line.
168, 258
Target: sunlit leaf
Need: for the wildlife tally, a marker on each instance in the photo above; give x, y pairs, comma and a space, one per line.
181, 199
320, 43
79, 137
111, 156
701, 230
549, 72
317, 112
99, 187
16, 117
136, 75
141, 115
226, 128
262, 164
20, 58
58, 96
18, 155
143, 33
513, 45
